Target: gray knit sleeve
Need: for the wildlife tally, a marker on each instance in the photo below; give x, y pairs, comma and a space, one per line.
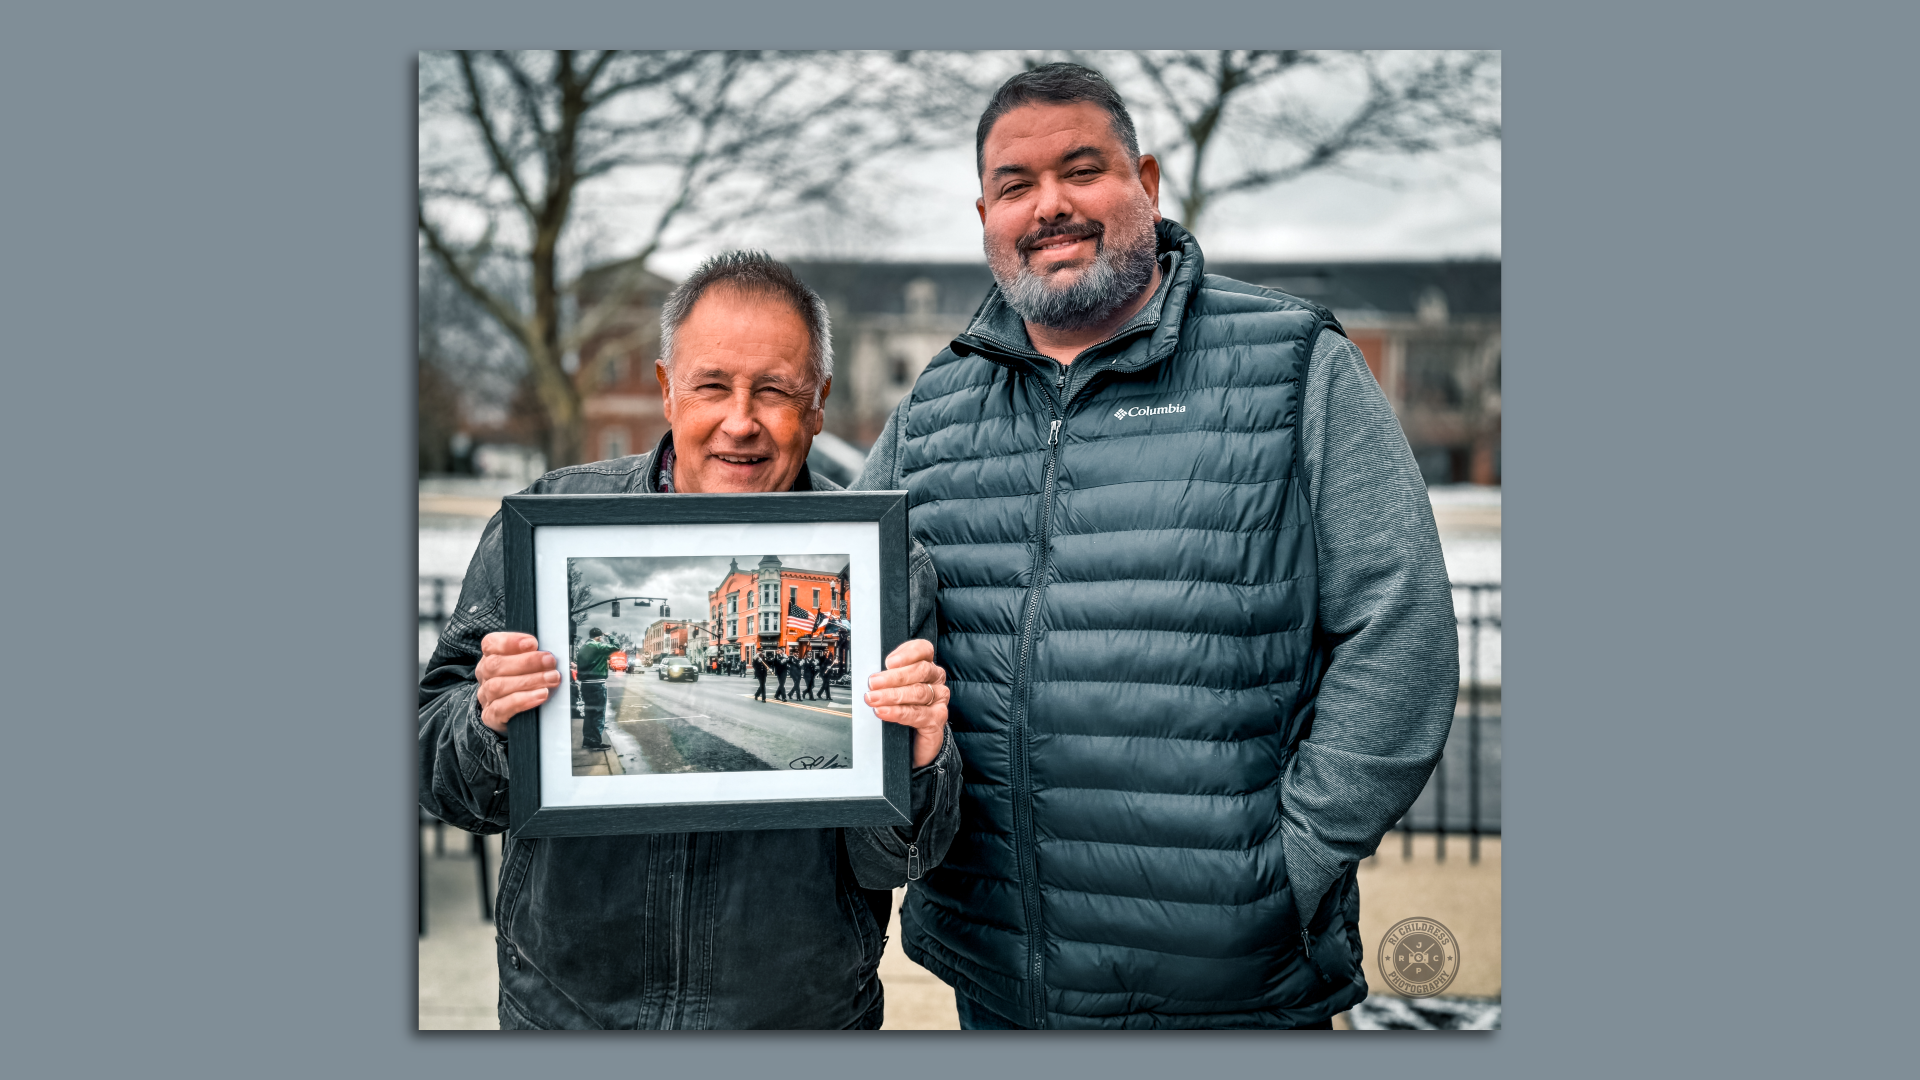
883, 461
1387, 699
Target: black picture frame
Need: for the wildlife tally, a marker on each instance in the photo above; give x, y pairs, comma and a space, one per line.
522, 514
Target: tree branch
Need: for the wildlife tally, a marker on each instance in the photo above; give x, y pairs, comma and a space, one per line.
528, 99
476, 108
665, 74
503, 312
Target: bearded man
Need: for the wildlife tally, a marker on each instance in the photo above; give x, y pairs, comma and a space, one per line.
1199, 633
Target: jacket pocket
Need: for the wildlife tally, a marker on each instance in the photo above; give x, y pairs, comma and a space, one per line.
513, 877
1334, 942
857, 909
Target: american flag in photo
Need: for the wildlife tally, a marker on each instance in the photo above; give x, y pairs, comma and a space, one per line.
798, 618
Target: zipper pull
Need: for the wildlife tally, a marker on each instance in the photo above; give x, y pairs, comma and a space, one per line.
1061, 382
1306, 949
913, 862
1053, 434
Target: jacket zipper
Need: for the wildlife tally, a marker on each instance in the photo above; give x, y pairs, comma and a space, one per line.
1306, 950
1023, 787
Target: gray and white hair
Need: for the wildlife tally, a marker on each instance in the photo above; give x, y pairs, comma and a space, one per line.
759, 273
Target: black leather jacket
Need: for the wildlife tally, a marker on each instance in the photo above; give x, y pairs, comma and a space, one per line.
688, 930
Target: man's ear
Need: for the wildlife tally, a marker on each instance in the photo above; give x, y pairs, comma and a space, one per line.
817, 417
1150, 180
980, 204
666, 389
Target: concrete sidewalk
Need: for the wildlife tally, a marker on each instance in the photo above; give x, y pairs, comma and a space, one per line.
1461, 895
459, 985
916, 998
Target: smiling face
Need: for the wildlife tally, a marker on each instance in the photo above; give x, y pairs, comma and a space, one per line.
1067, 219
739, 394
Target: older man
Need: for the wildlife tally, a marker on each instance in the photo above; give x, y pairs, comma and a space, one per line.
1193, 605
696, 930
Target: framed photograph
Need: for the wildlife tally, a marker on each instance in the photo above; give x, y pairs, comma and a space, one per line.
712, 647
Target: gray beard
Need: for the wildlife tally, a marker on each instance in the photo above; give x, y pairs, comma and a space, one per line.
1117, 275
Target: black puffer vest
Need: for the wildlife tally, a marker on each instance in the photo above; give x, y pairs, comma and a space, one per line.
1127, 607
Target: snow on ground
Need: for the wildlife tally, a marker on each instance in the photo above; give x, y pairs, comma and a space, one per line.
446, 547
1469, 521
1471, 559
1468, 516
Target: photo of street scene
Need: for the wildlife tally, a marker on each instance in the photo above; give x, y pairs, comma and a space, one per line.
751, 674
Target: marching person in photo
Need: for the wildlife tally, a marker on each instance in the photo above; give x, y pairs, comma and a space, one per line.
749, 929
590, 660
1199, 632
760, 677
808, 669
779, 663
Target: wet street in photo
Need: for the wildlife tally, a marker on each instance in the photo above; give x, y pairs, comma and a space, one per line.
714, 725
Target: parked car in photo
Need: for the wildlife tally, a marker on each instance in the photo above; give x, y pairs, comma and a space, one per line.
679, 669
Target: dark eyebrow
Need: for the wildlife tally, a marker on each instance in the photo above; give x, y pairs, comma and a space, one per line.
1074, 154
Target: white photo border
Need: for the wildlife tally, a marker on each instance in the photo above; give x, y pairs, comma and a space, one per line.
555, 544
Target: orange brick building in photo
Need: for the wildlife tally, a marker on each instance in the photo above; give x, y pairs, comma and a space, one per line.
749, 608
666, 637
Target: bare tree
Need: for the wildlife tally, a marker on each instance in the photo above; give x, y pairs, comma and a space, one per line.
1244, 120
579, 595
471, 372
513, 145
1234, 121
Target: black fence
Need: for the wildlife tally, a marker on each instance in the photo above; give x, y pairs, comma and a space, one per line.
437, 594
1463, 795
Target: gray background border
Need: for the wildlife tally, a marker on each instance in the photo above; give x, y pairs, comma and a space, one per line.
207, 300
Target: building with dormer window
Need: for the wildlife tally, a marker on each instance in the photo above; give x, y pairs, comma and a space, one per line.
773, 606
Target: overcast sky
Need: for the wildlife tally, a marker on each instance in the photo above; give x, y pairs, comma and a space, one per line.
921, 206
1441, 205
1439, 209
682, 580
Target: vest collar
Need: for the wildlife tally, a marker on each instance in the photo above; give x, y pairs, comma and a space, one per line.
998, 333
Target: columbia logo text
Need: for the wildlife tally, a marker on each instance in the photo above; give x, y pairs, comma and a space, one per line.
1148, 411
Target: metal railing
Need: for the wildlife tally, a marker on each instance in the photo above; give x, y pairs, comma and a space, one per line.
437, 595
1438, 810
1479, 709
433, 601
